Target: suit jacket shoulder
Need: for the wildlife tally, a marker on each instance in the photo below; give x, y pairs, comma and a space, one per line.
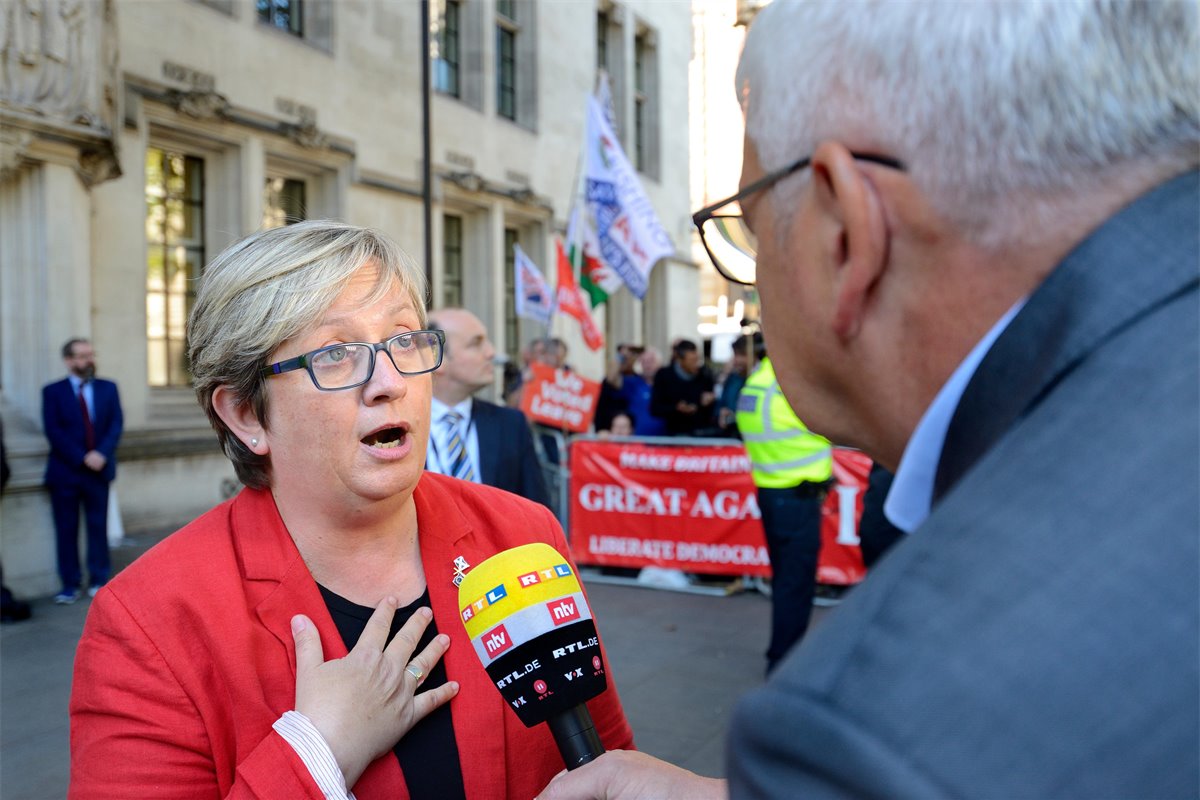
507, 456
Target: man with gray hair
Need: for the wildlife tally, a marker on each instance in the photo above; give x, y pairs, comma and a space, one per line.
976, 230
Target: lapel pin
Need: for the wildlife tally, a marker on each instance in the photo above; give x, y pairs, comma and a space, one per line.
460, 568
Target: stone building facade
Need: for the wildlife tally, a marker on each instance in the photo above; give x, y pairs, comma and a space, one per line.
138, 139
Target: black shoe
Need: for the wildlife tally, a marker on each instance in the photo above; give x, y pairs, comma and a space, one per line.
16, 611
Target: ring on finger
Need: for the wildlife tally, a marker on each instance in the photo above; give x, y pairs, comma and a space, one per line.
416, 672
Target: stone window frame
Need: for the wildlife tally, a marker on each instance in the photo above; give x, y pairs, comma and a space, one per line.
447, 40
316, 26
518, 19
647, 134
197, 247
512, 322
453, 241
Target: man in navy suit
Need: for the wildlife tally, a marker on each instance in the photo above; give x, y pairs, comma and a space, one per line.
472, 438
81, 415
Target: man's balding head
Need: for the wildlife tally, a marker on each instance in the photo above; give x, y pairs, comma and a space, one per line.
468, 364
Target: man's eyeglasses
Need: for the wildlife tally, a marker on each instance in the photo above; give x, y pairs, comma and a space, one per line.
351, 364
729, 242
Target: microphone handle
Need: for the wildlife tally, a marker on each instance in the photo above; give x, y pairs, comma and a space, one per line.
576, 736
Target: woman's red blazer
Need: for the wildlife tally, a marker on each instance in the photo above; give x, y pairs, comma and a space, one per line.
187, 659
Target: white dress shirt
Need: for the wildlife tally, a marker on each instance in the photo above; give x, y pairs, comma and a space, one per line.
437, 457
911, 496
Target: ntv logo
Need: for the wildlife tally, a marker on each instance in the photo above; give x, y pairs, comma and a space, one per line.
564, 610
496, 641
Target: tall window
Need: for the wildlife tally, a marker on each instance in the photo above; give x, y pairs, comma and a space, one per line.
174, 257
602, 41
445, 47
452, 261
283, 202
286, 15
506, 59
511, 330
641, 103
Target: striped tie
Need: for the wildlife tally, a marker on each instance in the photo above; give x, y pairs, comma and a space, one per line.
456, 450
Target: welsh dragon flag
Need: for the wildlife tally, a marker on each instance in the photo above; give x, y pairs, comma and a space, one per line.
595, 277
571, 302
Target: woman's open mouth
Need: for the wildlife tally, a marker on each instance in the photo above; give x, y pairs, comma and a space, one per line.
386, 438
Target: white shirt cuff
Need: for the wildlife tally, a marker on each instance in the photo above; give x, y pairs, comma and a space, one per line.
299, 732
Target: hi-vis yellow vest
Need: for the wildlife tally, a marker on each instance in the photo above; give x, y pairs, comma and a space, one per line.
783, 452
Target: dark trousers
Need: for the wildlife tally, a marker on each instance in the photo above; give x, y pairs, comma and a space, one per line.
875, 533
92, 493
793, 527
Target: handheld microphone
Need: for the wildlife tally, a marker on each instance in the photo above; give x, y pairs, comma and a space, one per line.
530, 624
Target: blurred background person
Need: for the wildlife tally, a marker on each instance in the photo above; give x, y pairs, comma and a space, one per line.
81, 416
682, 395
471, 438
12, 609
793, 470
640, 393
622, 425
620, 383
247, 654
734, 379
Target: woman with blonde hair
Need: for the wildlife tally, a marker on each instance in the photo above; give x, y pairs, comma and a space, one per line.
303, 638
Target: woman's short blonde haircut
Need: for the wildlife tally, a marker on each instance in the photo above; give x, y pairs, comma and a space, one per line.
270, 287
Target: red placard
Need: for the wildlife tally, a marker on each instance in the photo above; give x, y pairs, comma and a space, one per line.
693, 508
560, 399
841, 561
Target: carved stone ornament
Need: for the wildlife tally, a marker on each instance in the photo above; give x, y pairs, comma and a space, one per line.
307, 134
14, 145
97, 165
58, 60
198, 105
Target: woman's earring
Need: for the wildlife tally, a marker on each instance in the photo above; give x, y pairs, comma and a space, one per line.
254, 442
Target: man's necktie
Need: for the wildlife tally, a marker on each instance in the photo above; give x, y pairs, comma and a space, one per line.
89, 433
456, 451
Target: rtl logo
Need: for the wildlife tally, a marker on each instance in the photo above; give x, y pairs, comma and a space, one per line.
564, 610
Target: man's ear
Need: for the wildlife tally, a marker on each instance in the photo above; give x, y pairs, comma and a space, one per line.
851, 201
240, 418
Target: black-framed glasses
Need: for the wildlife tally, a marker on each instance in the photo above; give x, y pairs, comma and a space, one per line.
729, 242
351, 364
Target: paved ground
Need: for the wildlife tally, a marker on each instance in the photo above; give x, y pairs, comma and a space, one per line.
680, 661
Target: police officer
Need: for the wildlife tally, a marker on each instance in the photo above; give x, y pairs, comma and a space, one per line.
793, 469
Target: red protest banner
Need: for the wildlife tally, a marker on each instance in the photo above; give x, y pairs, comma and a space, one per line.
560, 399
695, 508
683, 507
841, 561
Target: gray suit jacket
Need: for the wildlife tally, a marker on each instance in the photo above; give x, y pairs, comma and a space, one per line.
1038, 636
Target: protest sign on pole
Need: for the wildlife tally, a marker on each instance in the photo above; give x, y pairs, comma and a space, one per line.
559, 398
534, 300
631, 238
